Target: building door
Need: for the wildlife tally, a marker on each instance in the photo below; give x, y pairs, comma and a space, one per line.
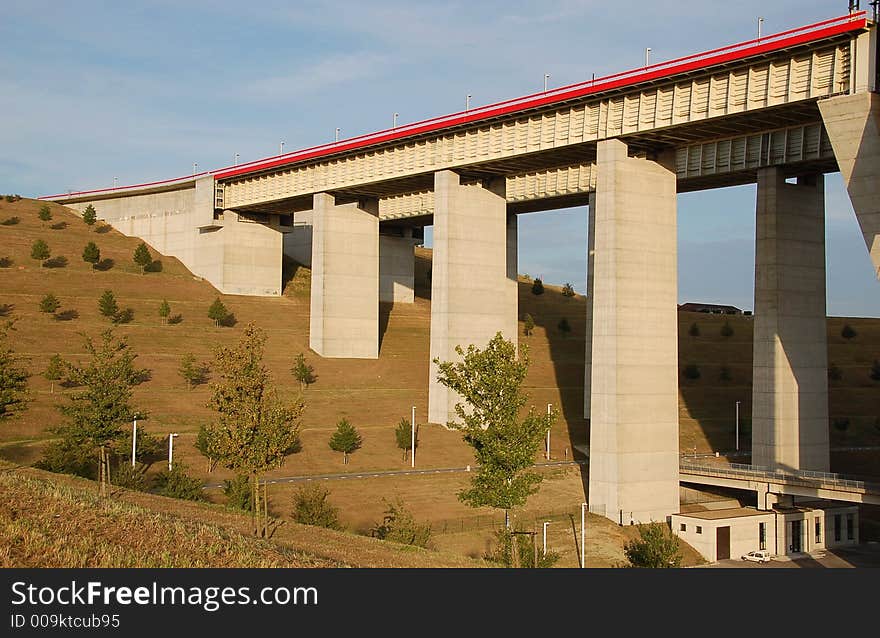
722, 543
796, 536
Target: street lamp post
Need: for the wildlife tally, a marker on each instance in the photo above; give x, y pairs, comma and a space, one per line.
467, 103
134, 433
170, 449
546, 77
115, 181
549, 408
583, 535
647, 56
737, 426
235, 160
412, 455
760, 24
281, 149
546, 523
195, 167
394, 120
337, 133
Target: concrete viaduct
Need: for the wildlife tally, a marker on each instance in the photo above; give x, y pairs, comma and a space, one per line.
781, 111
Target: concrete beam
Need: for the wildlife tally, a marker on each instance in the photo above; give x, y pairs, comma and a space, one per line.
344, 312
853, 125
473, 276
790, 363
634, 376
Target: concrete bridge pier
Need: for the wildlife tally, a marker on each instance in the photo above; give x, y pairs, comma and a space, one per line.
634, 373
588, 340
473, 280
344, 312
790, 364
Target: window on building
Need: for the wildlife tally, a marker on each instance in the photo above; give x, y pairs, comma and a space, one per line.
818, 530
837, 527
762, 535
699, 530
683, 527
850, 527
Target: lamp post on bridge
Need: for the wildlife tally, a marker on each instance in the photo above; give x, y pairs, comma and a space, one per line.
115, 181
760, 24
467, 103
195, 168
737, 426
337, 133
235, 160
281, 149
546, 77
647, 56
412, 454
394, 120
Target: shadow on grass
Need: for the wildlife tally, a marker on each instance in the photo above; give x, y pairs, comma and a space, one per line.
55, 262
103, 229
156, 266
66, 315
10, 221
59, 226
104, 265
123, 316
229, 320
6, 262
175, 319
5, 309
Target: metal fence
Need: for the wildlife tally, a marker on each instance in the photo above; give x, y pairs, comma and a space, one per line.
527, 519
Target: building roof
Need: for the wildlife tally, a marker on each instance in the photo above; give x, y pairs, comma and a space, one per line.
734, 512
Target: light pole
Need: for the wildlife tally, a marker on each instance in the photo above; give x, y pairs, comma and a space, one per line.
170, 449
235, 160
549, 408
737, 426
115, 181
760, 24
546, 77
583, 535
467, 103
412, 455
195, 167
281, 149
337, 133
394, 120
648, 56
134, 433
546, 523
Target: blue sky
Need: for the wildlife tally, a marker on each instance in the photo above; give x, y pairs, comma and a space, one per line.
141, 91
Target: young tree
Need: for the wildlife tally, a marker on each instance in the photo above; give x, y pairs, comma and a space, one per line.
303, 372
204, 444
403, 435
564, 326
538, 287
193, 373
89, 216
218, 312
567, 290
346, 439
528, 325
40, 250
13, 376
726, 329
400, 526
107, 304
238, 492
45, 214
164, 311
254, 430
490, 382
91, 253
97, 413
49, 304
177, 483
310, 507
694, 330
848, 332
655, 547
142, 256
54, 371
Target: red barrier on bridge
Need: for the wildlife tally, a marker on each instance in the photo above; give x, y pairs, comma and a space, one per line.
731, 53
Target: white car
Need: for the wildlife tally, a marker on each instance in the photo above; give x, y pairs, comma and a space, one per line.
758, 556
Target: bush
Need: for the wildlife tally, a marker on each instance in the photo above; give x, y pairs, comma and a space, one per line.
123, 316
564, 326
399, 526
164, 311
10, 198
567, 290
5, 262
89, 216
64, 456
848, 332
40, 250
537, 287
11, 221
528, 325
238, 493
834, 373
131, 478
91, 254
656, 547
694, 330
45, 214
49, 304
310, 507
726, 329
218, 312
725, 374
503, 552
841, 425
691, 371
178, 484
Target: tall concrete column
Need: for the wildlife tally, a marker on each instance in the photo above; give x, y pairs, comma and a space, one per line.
634, 382
853, 125
790, 374
396, 269
344, 312
588, 340
473, 276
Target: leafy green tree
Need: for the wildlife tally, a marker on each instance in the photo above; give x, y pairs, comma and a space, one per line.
107, 304
346, 439
504, 445
567, 290
311, 507
403, 435
89, 216
49, 304
218, 312
238, 493
142, 256
91, 253
303, 372
726, 329
538, 287
564, 326
45, 214
254, 430
400, 526
655, 547
848, 332
177, 483
54, 371
13, 376
204, 444
164, 311
192, 372
528, 325
97, 413
40, 250
694, 330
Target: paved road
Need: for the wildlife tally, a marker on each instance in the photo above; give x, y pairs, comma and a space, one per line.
867, 555
375, 474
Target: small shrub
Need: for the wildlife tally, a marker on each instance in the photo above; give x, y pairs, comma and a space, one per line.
834, 373
10, 199
178, 484
164, 311
45, 214
193, 373
691, 371
875, 370
40, 250
656, 547
131, 478
725, 374
49, 304
528, 325
123, 316
841, 425
6, 262
64, 456
10, 221
564, 326
726, 329
848, 332
310, 507
503, 552
399, 525
89, 216
154, 266
91, 253
567, 290
537, 287
238, 493
694, 330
